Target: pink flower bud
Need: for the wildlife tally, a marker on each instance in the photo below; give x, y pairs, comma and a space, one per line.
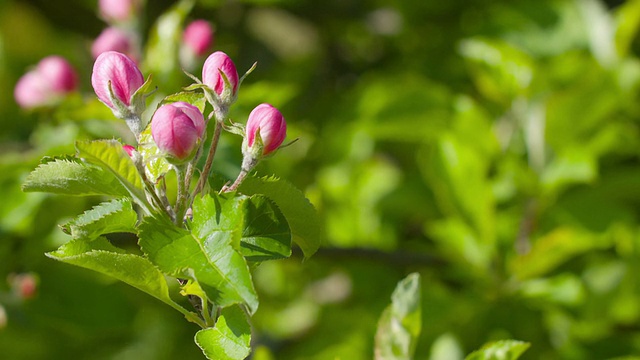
52, 78
113, 39
118, 10
177, 129
122, 72
270, 123
216, 62
24, 285
198, 37
129, 149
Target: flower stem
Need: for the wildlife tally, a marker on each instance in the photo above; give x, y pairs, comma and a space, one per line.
212, 153
248, 163
183, 192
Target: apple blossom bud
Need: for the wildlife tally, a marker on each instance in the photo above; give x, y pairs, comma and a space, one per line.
129, 149
216, 62
177, 129
52, 78
118, 10
269, 123
24, 285
198, 37
114, 39
122, 73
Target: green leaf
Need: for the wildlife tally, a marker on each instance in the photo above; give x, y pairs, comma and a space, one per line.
73, 177
109, 155
265, 234
101, 256
230, 338
205, 255
401, 322
195, 98
300, 214
500, 350
156, 165
108, 217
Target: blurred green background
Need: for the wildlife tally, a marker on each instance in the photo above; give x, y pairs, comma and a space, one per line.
490, 145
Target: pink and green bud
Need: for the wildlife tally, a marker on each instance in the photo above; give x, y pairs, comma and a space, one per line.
177, 129
52, 79
265, 131
114, 39
217, 64
118, 10
130, 150
117, 80
198, 37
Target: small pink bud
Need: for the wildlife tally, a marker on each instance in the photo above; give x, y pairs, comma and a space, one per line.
129, 149
122, 72
177, 129
24, 285
270, 123
198, 36
113, 39
216, 62
118, 10
52, 78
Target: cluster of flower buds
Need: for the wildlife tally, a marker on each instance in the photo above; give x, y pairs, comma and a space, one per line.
177, 128
51, 80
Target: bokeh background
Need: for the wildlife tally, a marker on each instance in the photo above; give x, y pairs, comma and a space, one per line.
490, 145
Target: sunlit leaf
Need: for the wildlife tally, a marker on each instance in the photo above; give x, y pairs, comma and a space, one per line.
205, 255
500, 350
195, 98
300, 214
229, 339
401, 322
109, 155
155, 163
109, 217
73, 177
101, 256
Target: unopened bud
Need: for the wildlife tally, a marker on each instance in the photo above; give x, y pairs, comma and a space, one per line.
24, 285
217, 64
129, 149
266, 130
118, 10
177, 129
198, 37
114, 39
52, 79
116, 79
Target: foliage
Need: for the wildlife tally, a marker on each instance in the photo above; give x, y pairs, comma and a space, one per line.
489, 146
